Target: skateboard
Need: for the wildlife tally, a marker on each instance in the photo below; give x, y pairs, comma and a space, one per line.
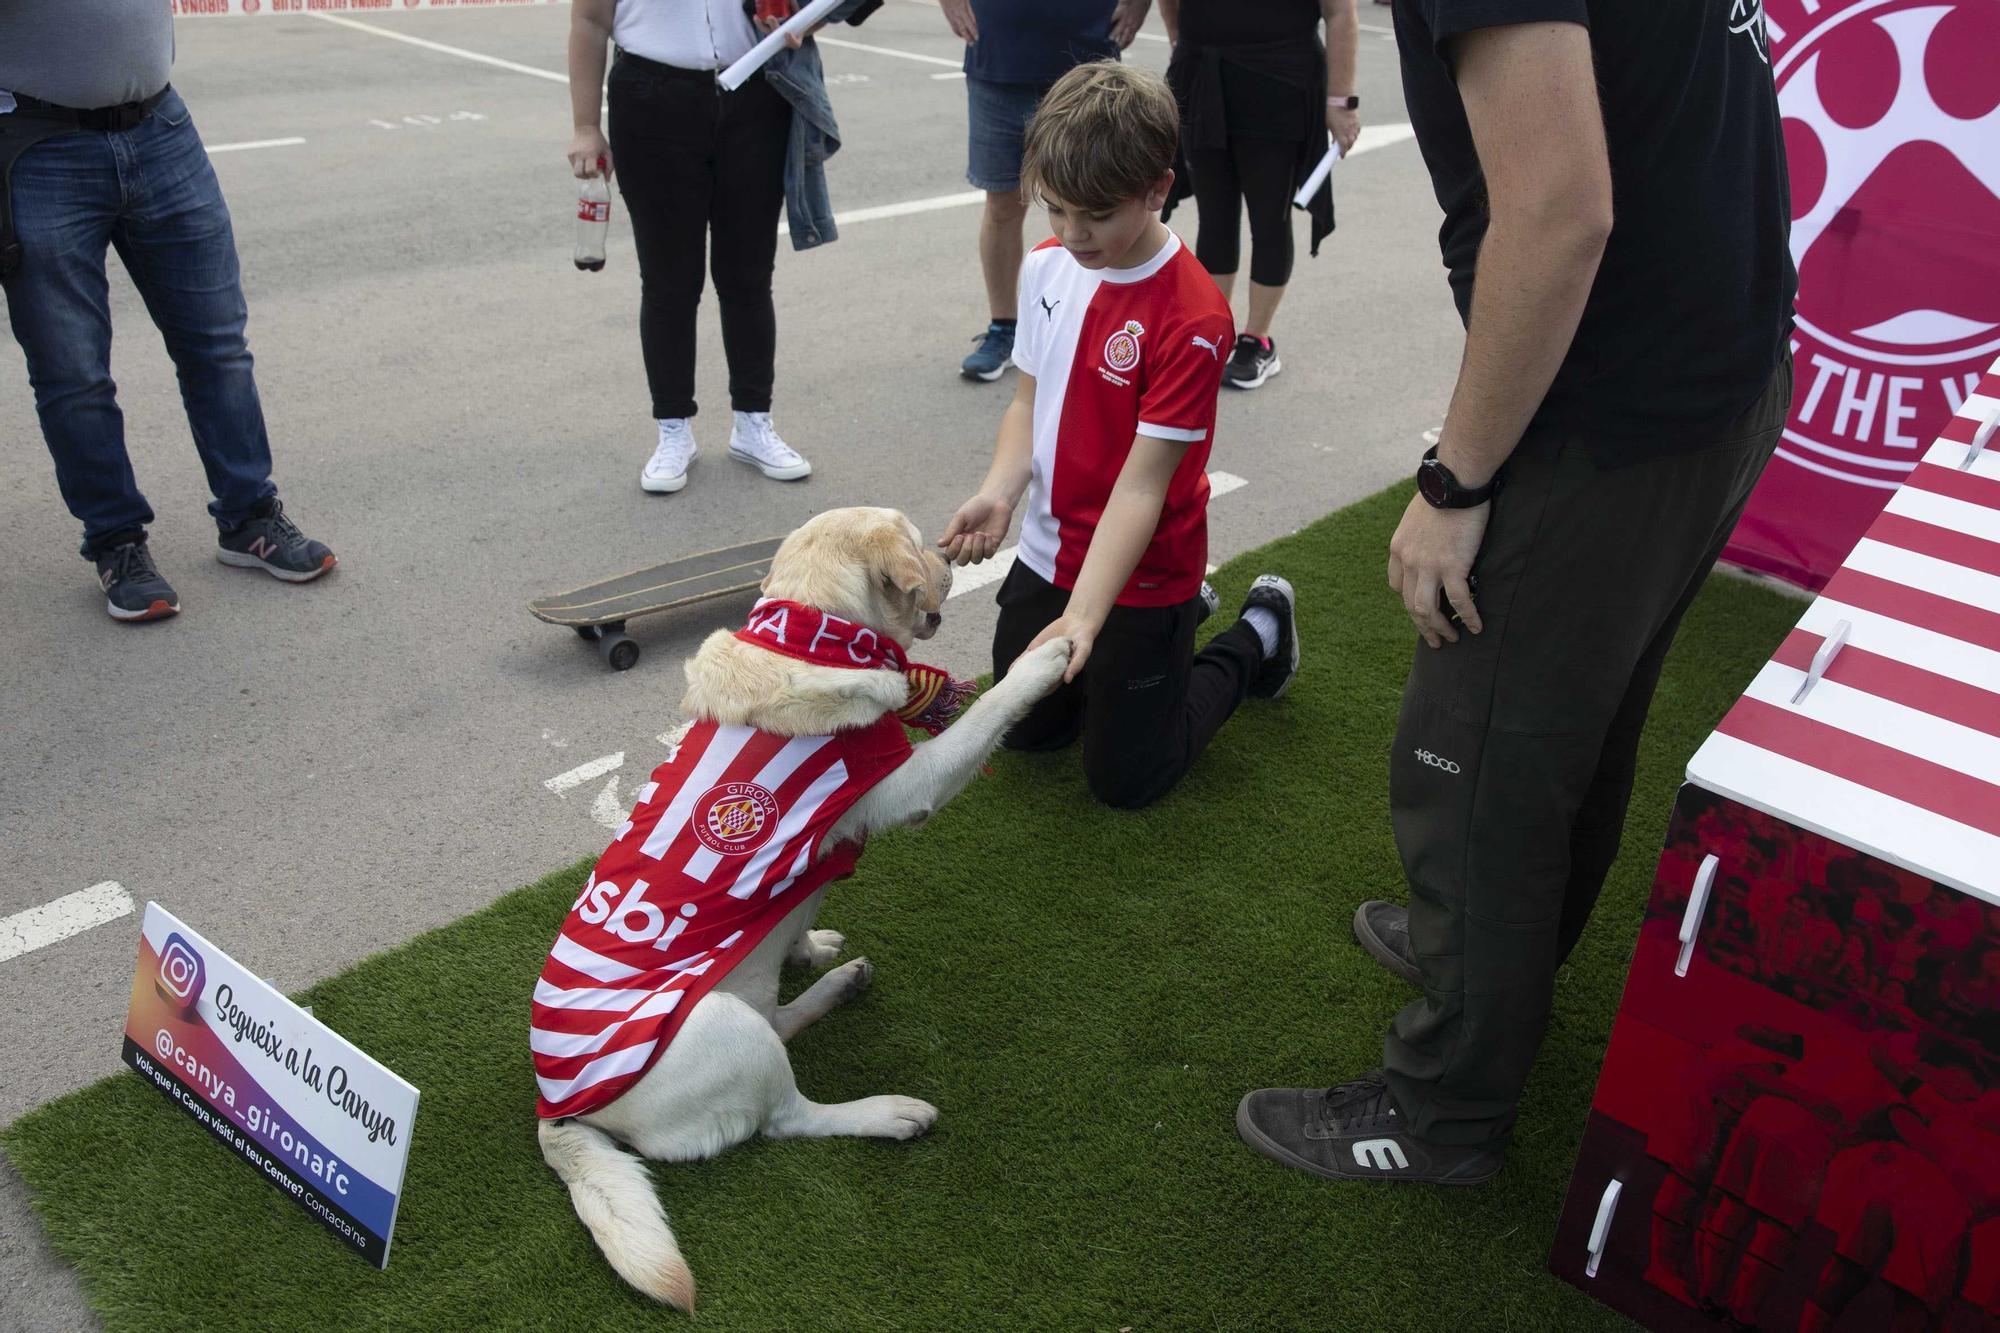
598, 611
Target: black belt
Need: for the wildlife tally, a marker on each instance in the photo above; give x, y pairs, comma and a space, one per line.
659, 70
115, 119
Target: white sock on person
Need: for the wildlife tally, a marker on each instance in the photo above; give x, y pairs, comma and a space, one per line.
1265, 621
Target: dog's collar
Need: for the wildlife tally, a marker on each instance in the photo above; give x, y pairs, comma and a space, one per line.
811, 635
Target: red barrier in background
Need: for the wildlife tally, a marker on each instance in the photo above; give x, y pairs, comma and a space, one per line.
1892, 128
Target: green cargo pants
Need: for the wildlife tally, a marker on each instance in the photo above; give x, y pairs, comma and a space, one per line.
1515, 749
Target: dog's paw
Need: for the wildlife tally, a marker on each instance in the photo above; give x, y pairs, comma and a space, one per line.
859, 974
906, 1117
1041, 669
818, 948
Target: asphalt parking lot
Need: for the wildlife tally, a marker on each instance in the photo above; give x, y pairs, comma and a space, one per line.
311, 774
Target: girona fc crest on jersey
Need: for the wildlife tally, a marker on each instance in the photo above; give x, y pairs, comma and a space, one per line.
735, 818
1121, 349
1892, 129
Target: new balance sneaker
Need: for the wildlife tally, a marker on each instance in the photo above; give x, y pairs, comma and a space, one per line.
1275, 595
993, 355
1353, 1132
754, 440
1383, 929
273, 543
133, 588
1253, 361
667, 470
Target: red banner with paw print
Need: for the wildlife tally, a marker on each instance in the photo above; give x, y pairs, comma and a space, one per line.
1892, 128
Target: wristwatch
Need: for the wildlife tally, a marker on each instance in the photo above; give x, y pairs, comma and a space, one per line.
1441, 490
1350, 102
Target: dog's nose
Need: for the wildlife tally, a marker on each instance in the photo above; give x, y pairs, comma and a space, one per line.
932, 619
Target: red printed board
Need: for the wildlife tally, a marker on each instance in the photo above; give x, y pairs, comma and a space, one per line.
1892, 129
1804, 1125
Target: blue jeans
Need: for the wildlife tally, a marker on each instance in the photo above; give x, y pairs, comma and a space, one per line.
997, 116
150, 193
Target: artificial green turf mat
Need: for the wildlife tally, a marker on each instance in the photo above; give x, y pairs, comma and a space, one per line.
1084, 994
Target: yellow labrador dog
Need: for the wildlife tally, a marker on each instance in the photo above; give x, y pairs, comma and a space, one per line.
724, 1074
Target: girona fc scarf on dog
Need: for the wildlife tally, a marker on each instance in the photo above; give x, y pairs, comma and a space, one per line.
811, 635
724, 842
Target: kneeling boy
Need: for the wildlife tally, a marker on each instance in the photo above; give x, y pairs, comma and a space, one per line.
1120, 348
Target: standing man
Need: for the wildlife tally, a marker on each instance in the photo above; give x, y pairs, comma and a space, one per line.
1015, 50
99, 151
1616, 229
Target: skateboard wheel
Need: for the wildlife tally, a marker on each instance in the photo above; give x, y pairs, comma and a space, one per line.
588, 633
619, 651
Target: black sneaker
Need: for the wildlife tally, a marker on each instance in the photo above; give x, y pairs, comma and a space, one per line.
993, 355
274, 544
1352, 1132
1383, 929
1211, 600
1275, 594
133, 588
1253, 361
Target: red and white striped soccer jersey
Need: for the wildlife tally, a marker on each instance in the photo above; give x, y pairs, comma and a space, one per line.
1117, 353
1895, 751
723, 843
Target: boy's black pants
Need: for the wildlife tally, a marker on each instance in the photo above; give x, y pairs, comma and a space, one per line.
1146, 704
1515, 752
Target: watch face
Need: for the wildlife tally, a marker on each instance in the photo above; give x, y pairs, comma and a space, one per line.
1430, 481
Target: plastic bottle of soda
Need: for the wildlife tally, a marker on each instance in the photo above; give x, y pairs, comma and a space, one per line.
593, 219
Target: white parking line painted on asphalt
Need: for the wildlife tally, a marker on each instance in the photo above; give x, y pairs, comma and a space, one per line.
1222, 483
950, 74
440, 47
846, 45
583, 773
215, 148
71, 914
909, 206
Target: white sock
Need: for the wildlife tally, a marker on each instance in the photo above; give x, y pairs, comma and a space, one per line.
1265, 621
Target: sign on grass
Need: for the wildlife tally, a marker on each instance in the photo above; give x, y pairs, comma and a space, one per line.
302, 1105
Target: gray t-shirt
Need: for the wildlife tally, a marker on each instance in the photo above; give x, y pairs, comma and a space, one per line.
86, 53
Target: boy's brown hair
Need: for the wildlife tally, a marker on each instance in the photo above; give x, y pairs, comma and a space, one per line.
1102, 136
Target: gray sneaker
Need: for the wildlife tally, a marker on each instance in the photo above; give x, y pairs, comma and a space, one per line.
1354, 1131
273, 543
133, 587
1383, 929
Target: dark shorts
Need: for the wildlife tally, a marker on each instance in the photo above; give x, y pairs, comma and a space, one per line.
997, 116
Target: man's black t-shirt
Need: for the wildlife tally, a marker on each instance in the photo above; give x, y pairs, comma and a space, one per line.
1692, 306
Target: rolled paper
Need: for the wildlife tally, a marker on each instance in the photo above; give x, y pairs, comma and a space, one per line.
739, 73
1303, 198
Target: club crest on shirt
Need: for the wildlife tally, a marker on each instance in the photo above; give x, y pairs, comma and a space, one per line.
735, 818
1121, 349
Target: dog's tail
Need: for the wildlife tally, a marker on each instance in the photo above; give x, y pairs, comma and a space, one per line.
614, 1196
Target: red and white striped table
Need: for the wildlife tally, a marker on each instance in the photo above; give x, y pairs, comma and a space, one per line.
1798, 1122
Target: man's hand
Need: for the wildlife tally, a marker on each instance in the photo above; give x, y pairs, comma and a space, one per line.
1433, 549
1081, 634
976, 530
958, 13
586, 146
1125, 21
1345, 127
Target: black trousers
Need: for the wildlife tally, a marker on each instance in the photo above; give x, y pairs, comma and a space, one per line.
693, 161
1516, 747
1252, 172
1146, 704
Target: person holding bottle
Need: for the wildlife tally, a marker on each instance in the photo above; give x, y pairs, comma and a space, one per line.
703, 174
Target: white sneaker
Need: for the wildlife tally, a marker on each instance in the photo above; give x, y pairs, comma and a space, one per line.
754, 440
667, 470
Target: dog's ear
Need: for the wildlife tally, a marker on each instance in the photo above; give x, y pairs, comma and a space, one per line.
900, 566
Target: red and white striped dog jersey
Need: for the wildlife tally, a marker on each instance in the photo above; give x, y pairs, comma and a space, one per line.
723, 843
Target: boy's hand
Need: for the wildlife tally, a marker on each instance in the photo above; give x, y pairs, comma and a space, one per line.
976, 530
1081, 634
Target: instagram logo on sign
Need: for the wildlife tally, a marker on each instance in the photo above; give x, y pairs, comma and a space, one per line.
1892, 131
181, 973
